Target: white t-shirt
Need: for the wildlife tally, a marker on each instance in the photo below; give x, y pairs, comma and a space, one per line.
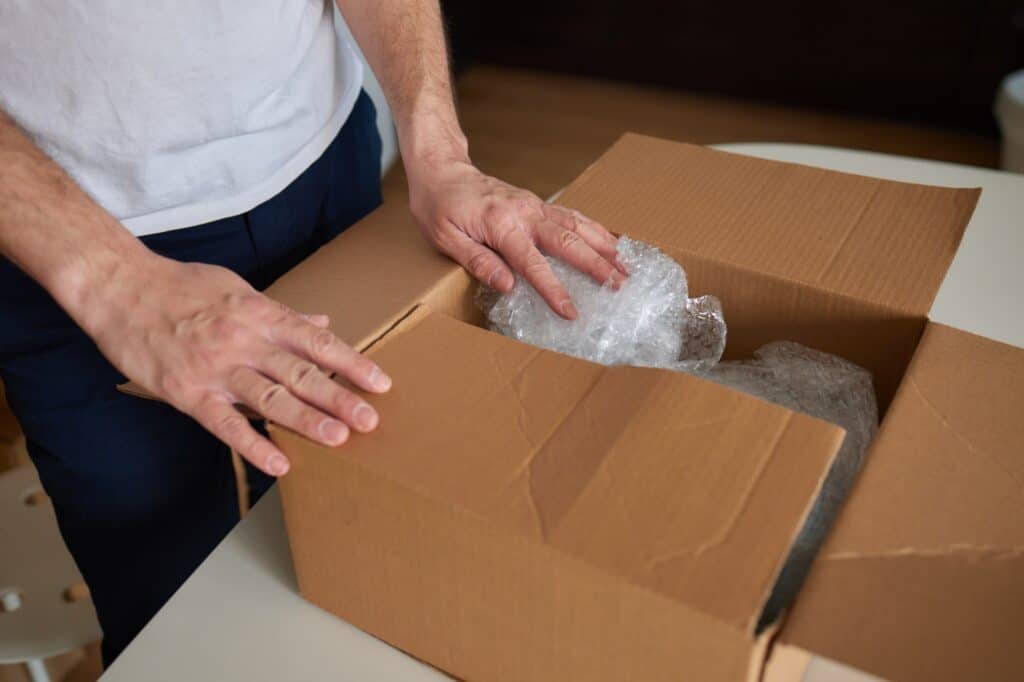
172, 114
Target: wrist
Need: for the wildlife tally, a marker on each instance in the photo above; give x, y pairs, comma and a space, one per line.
103, 280
429, 144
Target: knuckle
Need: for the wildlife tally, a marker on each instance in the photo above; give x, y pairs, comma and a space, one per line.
535, 263
527, 203
233, 300
224, 329
238, 376
568, 220
302, 374
321, 342
172, 382
232, 427
494, 213
478, 263
568, 239
269, 396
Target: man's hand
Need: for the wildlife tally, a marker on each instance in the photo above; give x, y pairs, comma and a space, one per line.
492, 229
199, 337
196, 335
488, 226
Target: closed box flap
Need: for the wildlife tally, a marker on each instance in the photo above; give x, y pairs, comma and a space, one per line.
683, 487
922, 576
875, 240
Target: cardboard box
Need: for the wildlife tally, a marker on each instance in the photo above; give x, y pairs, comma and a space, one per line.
522, 515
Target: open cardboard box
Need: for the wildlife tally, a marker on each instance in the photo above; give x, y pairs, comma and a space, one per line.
522, 515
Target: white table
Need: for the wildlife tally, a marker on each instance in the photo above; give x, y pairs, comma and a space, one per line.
240, 617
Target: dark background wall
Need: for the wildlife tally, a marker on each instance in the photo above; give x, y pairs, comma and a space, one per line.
930, 61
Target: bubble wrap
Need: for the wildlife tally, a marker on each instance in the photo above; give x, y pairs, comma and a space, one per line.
648, 322
823, 386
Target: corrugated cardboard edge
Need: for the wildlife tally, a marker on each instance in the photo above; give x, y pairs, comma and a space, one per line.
784, 663
629, 139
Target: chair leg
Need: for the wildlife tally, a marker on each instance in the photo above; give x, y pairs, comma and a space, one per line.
37, 671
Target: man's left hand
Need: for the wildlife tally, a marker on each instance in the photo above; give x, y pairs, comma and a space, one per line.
492, 228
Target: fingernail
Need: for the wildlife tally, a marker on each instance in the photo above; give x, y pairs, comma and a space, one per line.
333, 431
504, 281
621, 267
617, 279
379, 380
568, 309
277, 465
365, 417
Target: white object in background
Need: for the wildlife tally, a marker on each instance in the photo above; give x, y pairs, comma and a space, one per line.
44, 607
1009, 112
385, 123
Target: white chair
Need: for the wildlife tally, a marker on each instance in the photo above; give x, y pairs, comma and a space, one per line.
45, 608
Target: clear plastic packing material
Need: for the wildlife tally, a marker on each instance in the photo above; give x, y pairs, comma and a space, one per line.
651, 322
827, 387
648, 322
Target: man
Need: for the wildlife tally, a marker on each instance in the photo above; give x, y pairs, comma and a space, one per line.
244, 123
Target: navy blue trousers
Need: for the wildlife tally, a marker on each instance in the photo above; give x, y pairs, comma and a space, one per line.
141, 492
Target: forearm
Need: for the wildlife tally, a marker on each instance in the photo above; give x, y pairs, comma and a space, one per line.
404, 42
54, 232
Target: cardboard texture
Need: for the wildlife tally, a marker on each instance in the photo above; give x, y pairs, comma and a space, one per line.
522, 515
873, 240
922, 577
592, 515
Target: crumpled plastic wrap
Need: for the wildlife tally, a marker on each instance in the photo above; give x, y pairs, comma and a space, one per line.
651, 322
648, 322
830, 388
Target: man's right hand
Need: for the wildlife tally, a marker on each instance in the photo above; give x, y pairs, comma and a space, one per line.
199, 337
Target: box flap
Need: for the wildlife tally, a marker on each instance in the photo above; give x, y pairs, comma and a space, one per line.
881, 241
922, 576
685, 488
369, 277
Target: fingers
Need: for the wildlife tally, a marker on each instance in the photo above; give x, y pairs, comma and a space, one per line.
326, 350
590, 231
275, 402
521, 253
485, 265
569, 247
218, 416
305, 381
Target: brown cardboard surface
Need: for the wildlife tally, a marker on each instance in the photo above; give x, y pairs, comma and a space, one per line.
369, 277
608, 520
922, 577
879, 241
